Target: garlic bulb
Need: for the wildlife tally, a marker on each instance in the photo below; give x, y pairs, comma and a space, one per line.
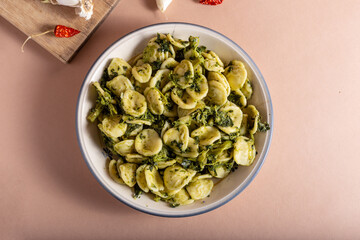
163, 4
84, 8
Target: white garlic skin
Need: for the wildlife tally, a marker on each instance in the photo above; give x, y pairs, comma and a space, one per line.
163, 4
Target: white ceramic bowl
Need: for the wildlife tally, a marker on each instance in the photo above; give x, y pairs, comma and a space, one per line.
88, 135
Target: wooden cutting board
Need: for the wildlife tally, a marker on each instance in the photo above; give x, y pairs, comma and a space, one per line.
32, 17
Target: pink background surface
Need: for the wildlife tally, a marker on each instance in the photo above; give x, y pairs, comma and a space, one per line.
309, 186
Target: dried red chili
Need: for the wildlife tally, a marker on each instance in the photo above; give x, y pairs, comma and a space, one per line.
211, 2
59, 31
65, 32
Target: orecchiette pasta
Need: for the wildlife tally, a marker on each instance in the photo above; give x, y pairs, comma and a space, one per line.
125, 147
134, 103
175, 119
177, 138
213, 62
142, 73
153, 179
141, 179
217, 93
127, 173
148, 142
236, 74
206, 135
156, 100
118, 67
200, 189
119, 84
199, 89
112, 127
176, 177
114, 172
182, 98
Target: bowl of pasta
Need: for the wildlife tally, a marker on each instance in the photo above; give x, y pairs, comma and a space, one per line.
174, 119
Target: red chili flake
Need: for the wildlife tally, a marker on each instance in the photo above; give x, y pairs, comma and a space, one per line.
65, 32
211, 2
59, 31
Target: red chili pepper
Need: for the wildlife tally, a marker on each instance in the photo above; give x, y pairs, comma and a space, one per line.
65, 32
211, 2
59, 31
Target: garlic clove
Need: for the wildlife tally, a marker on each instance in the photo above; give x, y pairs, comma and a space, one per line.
86, 9
163, 4
83, 8
70, 3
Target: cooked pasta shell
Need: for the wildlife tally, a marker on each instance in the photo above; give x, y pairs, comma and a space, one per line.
113, 171
134, 59
170, 107
169, 63
185, 112
199, 176
212, 62
199, 89
177, 138
158, 36
118, 67
155, 100
150, 53
197, 64
160, 79
148, 142
247, 89
154, 52
127, 173
140, 62
125, 147
140, 178
167, 88
142, 73
119, 84
162, 194
166, 127
184, 74
243, 100
253, 118
176, 177
134, 103
217, 93
192, 54
153, 179
219, 77
200, 189
221, 170
131, 120
140, 87
162, 165
202, 159
244, 125
182, 98
224, 156
112, 127
134, 158
236, 74
235, 113
244, 151
207, 135
134, 129
192, 150
177, 42
182, 198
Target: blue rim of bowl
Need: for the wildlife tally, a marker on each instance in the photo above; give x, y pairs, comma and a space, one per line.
248, 180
